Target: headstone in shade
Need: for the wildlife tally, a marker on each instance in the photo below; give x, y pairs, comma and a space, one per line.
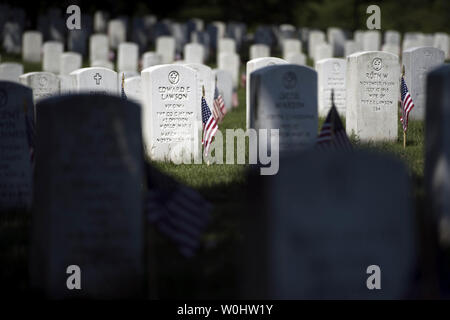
331, 77
32, 46
88, 208
418, 62
127, 57
10, 71
437, 146
372, 81
43, 84
95, 80
319, 235
170, 112
69, 62
52, 51
16, 114
253, 65
98, 48
284, 97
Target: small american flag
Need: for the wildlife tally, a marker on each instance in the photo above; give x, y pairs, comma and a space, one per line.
219, 105
407, 104
332, 135
177, 211
122, 94
209, 126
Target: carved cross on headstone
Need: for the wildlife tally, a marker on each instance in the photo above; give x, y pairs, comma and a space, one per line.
97, 78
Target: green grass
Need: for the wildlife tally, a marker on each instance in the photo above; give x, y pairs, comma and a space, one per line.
214, 271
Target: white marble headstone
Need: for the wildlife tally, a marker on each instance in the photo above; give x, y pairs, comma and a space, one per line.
323, 51
95, 80
69, 62
98, 48
331, 76
117, 32
291, 46
150, 59
171, 112
350, 47
418, 62
373, 89
371, 40
52, 51
43, 84
32, 46
231, 63
315, 38
165, 46
194, 53
127, 57
296, 58
259, 51
10, 71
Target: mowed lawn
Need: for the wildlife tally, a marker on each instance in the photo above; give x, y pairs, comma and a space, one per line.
214, 271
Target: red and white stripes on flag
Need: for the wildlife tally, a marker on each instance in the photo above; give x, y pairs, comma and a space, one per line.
218, 102
407, 104
209, 126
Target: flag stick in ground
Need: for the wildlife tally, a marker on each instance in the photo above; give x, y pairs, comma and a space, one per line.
404, 131
203, 96
407, 105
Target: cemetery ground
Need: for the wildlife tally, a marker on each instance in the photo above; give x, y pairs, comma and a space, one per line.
214, 271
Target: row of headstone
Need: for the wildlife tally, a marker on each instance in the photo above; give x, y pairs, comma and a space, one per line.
366, 88
286, 274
